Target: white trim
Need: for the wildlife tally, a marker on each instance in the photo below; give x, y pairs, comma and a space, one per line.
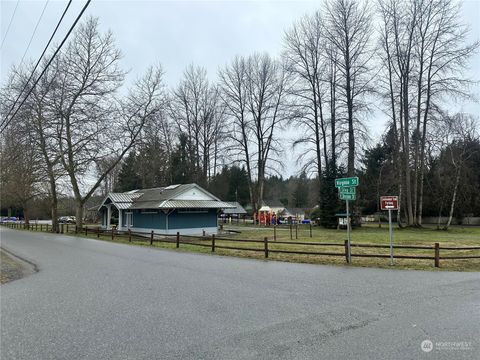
109, 215
120, 219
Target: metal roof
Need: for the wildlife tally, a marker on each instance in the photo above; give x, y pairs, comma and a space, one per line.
236, 209
272, 204
123, 197
122, 201
165, 198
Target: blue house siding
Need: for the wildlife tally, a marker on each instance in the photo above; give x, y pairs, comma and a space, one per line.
149, 221
182, 220
176, 219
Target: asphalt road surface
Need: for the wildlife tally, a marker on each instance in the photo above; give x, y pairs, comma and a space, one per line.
98, 300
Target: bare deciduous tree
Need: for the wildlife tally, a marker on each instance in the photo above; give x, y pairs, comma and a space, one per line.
92, 124
348, 29
305, 45
255, 91
424, 49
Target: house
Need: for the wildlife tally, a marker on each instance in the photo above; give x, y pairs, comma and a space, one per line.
187, 209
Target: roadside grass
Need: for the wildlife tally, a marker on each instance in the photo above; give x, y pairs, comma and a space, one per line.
9, 268
367, 234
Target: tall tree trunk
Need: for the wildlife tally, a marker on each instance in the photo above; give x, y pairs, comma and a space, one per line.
333, 120
408, 180
53, 204
351, 134
79, 215
454, 198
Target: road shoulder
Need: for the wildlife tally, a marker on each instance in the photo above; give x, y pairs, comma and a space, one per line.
13, 267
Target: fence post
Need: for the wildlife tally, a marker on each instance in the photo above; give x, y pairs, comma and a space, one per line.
151, 238
62, 228
86, 230
296, 231
113, 233
178, 240
265, 241
98, 232
203, 233
36, 226
346, 251
129, 235
275, 232
291, 233
310, 227
437, 255
213, 242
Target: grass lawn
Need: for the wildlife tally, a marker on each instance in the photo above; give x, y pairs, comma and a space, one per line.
367, 234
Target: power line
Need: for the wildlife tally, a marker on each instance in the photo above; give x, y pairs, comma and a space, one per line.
48, 64
34, 31
36, 65
10, 23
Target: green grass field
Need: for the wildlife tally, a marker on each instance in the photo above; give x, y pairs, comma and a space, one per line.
371, 234
367, 234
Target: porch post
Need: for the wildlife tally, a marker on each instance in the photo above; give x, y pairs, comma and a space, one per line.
109, 215
120, 219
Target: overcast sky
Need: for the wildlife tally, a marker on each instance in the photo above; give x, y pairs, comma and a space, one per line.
177, 33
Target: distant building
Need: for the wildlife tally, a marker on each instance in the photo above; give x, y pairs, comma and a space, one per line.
187, 208
273, 206
235, 211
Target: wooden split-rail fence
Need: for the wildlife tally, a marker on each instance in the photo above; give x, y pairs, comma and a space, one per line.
265, 246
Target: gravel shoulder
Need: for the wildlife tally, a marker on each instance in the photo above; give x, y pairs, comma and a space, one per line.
13, 268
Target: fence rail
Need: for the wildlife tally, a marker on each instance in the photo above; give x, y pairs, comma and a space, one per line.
266, 246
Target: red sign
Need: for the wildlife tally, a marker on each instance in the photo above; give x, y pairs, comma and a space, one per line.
389, 202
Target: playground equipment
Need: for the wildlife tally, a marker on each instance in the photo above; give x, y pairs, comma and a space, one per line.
265, 216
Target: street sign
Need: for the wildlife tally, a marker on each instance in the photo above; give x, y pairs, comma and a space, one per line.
351, 181
347, 190
348, 196
389, 202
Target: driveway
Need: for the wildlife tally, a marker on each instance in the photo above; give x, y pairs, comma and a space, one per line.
99, 300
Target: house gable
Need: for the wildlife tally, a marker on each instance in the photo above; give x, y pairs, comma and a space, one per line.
194, 193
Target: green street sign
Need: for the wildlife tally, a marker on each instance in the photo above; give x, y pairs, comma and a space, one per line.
346, 182
347, 190
348, 197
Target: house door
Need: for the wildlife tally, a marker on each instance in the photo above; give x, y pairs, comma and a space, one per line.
129, 220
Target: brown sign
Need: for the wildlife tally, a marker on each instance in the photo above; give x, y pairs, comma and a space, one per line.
389, 202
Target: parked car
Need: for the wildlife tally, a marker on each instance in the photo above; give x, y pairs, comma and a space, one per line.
67, 219
9, 219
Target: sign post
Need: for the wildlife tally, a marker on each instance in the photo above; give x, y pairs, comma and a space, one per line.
348, 236
347, 191
389, 203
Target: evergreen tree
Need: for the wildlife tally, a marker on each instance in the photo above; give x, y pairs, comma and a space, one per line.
330, 204
182, 171
238, 185
300, 194
128, 178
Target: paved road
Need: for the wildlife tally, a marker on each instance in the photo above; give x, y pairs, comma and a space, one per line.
99, 300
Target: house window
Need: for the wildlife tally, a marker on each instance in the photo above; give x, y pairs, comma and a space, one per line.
129, 219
